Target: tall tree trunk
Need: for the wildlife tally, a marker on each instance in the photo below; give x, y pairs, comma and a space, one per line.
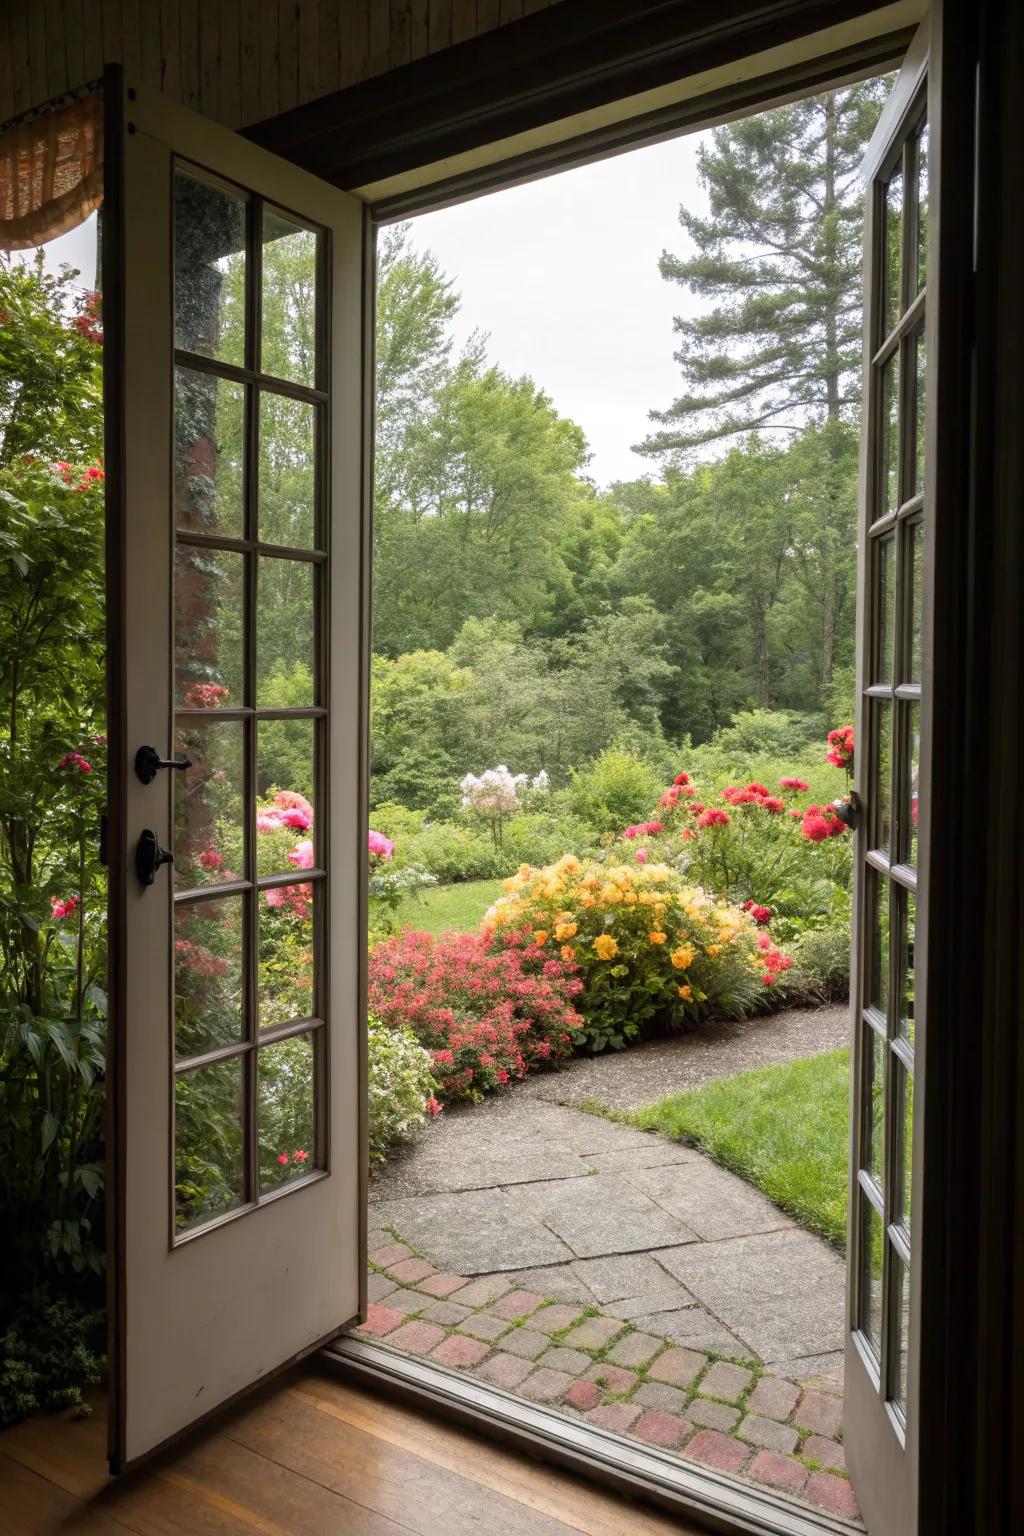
760, 623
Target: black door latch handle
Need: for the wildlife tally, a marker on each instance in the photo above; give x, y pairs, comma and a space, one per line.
149, 856
848, 809
148, 763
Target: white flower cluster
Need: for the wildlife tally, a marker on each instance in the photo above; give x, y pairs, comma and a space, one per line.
497, 790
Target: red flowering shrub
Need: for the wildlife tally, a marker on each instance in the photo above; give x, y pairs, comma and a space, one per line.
759, 846
819, 822
840, 748
761, 915
486, 1018
643, 829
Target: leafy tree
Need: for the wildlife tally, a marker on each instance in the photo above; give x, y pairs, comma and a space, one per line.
489, 484
750, 561
415, 307
49, 383
779, 257
420, 735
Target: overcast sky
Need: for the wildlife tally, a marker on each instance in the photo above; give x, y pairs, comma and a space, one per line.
77, 248
563, 275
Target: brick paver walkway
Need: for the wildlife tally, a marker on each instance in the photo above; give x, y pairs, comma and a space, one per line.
621, 1278
609, 1371
581, 1209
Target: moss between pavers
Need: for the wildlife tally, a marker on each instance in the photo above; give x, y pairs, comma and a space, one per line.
640, 1373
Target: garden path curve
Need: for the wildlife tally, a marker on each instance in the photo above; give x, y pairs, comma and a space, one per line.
581, 1209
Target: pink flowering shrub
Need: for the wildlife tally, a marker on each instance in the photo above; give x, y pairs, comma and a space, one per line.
488, 1015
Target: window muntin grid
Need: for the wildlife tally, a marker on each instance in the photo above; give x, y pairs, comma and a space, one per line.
891, 753
250, 899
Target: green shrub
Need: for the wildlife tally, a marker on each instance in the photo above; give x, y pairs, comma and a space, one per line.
402, 1085
398, 822
541, 837
51, 1155
821, 962
450, 853
653, 951
617, 788
768, 732
50, 1349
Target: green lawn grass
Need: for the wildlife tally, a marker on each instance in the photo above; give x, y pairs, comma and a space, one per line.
440, 908
782, 1128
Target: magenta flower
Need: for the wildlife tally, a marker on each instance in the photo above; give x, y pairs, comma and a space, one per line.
291, 800
298, 819
381, 845
302, 854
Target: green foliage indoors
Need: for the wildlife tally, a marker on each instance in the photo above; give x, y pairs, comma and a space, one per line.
49, 1350
782, 1128
52, 887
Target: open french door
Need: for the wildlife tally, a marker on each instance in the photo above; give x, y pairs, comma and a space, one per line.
892, 776
235, 399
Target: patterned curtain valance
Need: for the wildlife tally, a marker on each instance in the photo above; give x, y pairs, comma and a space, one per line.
51, 173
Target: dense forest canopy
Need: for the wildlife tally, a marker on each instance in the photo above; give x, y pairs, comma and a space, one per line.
519, 606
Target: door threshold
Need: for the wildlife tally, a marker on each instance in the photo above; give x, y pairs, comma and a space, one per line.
708, 1498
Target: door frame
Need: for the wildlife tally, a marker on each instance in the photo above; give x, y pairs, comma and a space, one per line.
951, 1137
975, 1136
978, 973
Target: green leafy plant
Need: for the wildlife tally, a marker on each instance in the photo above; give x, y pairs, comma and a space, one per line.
52, 884
50, 1349
616, 788
402, 1087
52, 774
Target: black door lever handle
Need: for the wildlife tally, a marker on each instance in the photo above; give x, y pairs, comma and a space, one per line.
848, 810
148, 763
149, 856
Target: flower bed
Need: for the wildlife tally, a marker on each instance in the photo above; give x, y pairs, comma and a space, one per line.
487, 1015
651, 949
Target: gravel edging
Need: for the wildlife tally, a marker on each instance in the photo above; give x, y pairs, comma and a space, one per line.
644, 1074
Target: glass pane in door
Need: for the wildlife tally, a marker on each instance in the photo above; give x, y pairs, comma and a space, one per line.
890, 714
249, 1065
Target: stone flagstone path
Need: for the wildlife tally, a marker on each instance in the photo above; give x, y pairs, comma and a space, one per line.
621, 1278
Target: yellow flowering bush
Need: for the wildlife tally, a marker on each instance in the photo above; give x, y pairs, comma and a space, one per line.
651, 950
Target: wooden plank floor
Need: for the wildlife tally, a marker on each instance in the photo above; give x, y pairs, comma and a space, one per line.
309, 1456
